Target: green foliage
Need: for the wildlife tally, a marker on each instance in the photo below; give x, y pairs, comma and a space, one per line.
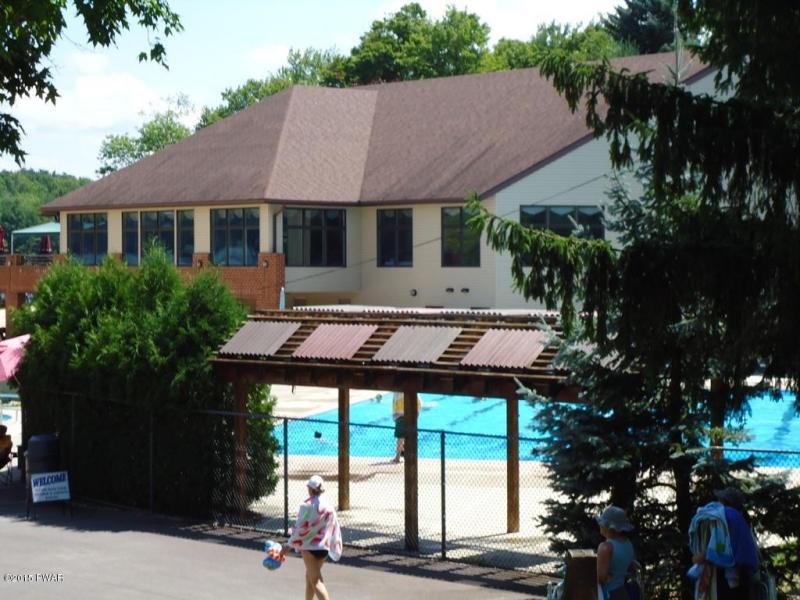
113, 346
408, 45
648, 25
309, 67
30, 30
647, 407
22, 194
588, 43
162, 129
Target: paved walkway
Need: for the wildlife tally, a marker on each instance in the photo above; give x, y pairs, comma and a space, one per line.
109, 553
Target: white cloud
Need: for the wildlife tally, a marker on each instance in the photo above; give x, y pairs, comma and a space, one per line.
516, 19
265, 59
93, 99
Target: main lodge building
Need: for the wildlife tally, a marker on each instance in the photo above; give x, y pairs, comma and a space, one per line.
355, 195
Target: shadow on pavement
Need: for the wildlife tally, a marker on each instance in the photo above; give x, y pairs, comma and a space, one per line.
89, 516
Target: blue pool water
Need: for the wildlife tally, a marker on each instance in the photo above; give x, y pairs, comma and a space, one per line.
773, 424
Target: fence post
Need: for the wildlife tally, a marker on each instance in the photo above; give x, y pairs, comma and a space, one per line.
444, 503
151, 502
71, 433
286, 476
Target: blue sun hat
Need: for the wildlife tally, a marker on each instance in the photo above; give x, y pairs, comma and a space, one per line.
614, 518
274, 559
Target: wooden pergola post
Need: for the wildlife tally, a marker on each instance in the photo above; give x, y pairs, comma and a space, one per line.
240, 391
344, 448
512, 464
411, 472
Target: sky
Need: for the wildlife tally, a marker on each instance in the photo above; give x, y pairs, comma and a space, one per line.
108, 91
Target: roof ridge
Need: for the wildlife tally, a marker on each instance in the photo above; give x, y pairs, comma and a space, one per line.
290, 91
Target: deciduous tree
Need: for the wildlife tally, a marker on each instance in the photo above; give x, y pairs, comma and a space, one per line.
160, 130
30, 29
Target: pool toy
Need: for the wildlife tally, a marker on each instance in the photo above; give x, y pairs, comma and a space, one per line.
274, 559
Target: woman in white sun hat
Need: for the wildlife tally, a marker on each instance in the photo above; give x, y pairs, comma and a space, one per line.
316, 535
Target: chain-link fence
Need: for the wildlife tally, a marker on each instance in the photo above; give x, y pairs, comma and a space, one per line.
258, 465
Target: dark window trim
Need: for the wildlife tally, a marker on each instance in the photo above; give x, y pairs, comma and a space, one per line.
462, 225
575, 208
303, 228
244, 230
95, 232
179, 233
396, 229
158, 231
125, 230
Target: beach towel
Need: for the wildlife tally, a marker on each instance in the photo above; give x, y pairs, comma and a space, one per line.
317, 528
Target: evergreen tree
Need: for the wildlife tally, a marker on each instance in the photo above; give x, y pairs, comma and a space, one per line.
648, 25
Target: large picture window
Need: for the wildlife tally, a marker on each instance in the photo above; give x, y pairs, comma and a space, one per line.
395, 248
562, 220
314, 237
130, 238
461, 245
235, 237
159, 226
185, 237
87, 237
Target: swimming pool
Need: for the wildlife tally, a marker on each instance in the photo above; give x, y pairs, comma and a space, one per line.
473, 424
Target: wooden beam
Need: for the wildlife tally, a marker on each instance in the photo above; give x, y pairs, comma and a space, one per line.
344, 448
240, 392
512, 466
411, 471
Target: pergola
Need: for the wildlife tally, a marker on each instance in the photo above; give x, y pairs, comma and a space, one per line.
460, 352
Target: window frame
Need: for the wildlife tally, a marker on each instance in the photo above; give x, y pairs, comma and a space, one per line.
395, 230
575, 214
182, 230
305, 228
461, 228
126, 229
83, 234
244, 229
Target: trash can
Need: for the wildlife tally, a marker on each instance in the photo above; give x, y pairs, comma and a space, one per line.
43, 454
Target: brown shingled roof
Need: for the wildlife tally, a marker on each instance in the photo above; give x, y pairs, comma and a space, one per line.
417, 141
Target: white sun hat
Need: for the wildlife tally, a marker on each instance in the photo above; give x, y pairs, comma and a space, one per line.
315, 483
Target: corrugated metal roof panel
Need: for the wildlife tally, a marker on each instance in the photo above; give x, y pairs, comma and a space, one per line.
335, 341
510, 348
260, 338
417, 344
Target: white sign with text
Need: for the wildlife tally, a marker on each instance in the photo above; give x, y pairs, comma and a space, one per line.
49, 487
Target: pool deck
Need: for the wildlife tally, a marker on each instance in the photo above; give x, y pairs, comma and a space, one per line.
302, 401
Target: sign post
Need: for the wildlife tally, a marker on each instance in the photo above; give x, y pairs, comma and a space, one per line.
49, 487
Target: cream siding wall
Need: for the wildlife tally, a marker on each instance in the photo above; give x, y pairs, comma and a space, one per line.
576, 179
393, 285
304, 280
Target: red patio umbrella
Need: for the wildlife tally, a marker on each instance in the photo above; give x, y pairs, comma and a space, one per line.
46, 247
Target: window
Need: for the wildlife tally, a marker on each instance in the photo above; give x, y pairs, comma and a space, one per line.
185, 237
130, 238
159, 226
394, 238
87, 237
461, 245
314, 237
562, 219
234, 237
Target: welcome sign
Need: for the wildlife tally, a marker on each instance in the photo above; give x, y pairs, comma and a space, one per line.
49, 487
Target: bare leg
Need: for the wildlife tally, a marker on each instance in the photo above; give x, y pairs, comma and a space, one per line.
398, 449
314, 582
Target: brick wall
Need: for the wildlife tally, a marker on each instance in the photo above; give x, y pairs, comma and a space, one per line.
258, 287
